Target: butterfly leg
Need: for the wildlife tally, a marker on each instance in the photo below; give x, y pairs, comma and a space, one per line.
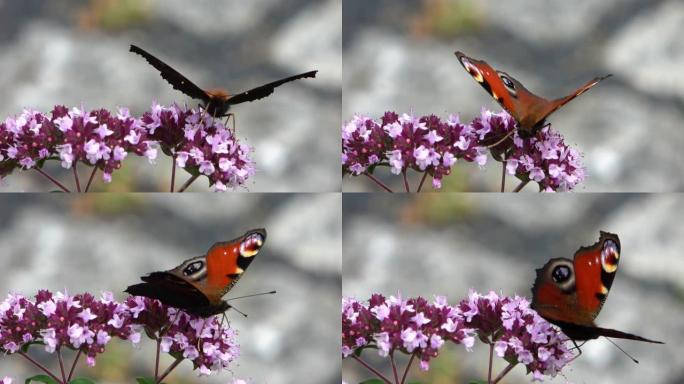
577, 347
228, 116
163, 330
502, 140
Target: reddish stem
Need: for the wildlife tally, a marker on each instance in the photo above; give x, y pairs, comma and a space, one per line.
378, 182
375, 371
78, 182
173, 171
90, 179
491, 359
61, 364
37, 364
73, 366
187, 183
420, 186
521, 186
169, 369
156, 361
503, 175
406, 186
504, 372
394, 368
57, 183
408, 366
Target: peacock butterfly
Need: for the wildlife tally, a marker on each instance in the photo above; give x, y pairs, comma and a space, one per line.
570, 293
217, 102
528, 109
198, 284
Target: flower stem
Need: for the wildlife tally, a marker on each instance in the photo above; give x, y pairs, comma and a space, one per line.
73, 366
491, 359
156, 361
37, 364
57, 183
187, 183
173, 171
503, 175
420, 186
78, 182
406, 186
90, 180
168, 370
521, 186
394, 368
504, 372
408, 366
378, 182
61, 364
375, 371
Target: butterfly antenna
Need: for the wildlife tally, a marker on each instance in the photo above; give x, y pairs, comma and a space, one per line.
623, 351
252, 295
238, 311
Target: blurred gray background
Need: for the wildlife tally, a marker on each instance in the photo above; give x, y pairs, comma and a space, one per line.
445, 244
98, 242
76, 51
398, 55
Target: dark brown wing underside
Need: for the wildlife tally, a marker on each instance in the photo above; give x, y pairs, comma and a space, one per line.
172, 76
581, 332
266, 89
170, 290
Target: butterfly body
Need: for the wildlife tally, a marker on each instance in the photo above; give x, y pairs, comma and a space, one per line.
528, 109
571, 293
198, 284
217, 102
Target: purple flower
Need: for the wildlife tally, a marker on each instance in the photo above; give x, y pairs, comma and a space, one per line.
415, 326
394, 324
428, 144
519, 334
201, 145
84, 323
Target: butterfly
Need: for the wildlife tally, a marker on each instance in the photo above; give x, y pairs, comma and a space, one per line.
528, 109
570, 293
216, 102
198, 284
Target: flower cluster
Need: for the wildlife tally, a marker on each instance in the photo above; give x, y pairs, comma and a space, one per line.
90, 137
412, 326
204, 341
200, 144
84, 323
58, 320
424, 144
543, 158
428, 144
518, 332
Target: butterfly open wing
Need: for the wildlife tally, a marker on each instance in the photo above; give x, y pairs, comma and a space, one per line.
172, 76
266, 89
553, 105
